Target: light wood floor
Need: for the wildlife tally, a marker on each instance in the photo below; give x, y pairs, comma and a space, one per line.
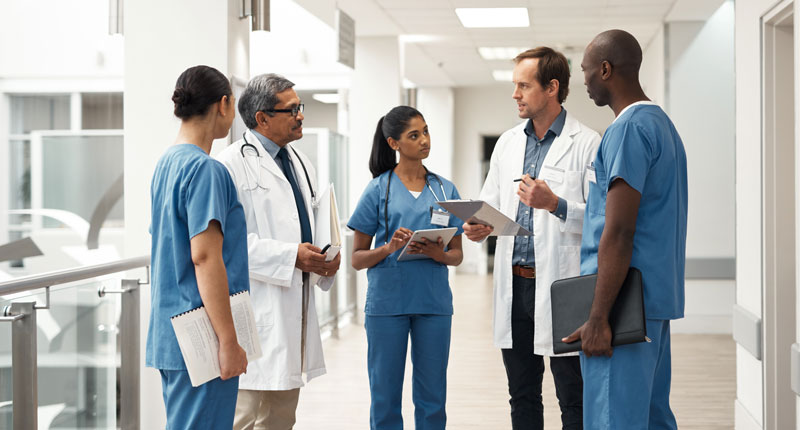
703, 369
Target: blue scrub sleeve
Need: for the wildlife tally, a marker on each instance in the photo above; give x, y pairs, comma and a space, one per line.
630, 157
455, 221
366, 216
207, 197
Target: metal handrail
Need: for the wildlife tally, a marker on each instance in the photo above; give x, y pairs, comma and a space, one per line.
58, 277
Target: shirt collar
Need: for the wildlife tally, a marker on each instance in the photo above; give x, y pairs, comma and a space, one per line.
271, 147
627, 108
555, 128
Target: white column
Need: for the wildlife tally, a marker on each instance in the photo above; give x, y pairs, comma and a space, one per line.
437, 106
162, 39
376, 88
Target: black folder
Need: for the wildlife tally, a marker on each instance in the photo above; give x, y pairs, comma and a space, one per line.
571, 301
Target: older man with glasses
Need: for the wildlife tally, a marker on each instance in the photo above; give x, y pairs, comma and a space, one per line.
276, 184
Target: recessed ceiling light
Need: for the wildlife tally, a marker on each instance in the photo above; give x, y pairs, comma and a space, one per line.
326, 97
499, 52
493, 17
408, 84
503, 75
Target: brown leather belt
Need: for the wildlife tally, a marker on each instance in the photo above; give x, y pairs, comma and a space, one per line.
524, 271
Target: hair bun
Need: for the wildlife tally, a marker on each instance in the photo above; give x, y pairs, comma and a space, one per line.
181, 97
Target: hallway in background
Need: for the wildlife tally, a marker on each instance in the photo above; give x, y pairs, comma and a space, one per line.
703, 372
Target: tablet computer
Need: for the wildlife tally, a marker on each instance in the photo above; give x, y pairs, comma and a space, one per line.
433, 235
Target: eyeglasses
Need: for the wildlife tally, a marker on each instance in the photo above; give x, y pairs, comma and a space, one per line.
294, 110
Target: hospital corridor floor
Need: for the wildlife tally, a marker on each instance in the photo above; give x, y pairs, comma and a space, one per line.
703, 385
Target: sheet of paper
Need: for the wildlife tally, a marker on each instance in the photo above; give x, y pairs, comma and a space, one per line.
327, 230
199, 343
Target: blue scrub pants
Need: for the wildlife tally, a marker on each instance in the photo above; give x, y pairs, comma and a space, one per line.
210, 406
630, 390
387, 343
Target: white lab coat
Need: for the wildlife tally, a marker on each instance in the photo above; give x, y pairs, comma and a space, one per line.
273, 234
556, 242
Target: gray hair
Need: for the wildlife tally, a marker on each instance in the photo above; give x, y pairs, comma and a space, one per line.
261, 94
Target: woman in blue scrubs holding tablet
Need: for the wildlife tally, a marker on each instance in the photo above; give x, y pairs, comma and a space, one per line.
407, 297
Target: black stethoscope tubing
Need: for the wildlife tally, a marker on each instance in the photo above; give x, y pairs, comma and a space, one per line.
258, 154
386, 201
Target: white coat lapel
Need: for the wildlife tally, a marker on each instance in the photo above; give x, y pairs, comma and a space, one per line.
267, 162
517, 167
563, 142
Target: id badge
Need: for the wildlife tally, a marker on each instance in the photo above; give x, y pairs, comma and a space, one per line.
440, 218
590, 174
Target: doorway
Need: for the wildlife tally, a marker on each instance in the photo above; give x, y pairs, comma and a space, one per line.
778, 182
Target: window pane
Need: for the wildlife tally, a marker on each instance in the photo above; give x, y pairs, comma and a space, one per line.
101, 111
39, 113
19, 179
78, 170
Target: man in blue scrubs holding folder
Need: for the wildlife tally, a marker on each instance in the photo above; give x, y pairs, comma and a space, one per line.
635, 217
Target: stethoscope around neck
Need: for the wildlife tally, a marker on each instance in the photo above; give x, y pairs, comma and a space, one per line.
249, 170
389, 184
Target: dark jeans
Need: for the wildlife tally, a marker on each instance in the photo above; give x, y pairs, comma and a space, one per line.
526, 369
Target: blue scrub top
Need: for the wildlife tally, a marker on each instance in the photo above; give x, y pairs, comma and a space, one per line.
643, 148
189, 190
405, 287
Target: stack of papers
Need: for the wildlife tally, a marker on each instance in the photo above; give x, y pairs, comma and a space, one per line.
199, 343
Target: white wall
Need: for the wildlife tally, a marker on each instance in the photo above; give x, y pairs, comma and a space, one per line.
173, 40
653, 72
699, 97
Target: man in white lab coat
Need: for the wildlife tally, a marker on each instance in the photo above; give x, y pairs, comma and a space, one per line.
277, 186
550, 152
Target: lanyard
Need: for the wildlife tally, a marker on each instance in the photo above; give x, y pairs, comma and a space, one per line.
386, 200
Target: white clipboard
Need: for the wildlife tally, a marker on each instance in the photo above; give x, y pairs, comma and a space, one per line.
480, 212
431, 234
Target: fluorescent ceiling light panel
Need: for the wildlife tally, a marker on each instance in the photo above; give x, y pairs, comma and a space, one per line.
503, 75
408, 84
493, 17
499, 52
326, 97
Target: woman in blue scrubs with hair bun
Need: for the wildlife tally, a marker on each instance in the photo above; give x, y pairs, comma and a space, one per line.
408, 297
199, 253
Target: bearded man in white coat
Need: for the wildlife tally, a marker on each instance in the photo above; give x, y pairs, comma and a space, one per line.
275, 183
551, 152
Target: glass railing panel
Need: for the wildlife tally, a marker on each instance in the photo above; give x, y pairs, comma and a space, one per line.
77, 355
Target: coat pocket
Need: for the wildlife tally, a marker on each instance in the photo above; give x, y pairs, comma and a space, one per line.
569, 261
262, 303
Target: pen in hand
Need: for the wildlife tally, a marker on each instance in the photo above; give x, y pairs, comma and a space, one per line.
520, 179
